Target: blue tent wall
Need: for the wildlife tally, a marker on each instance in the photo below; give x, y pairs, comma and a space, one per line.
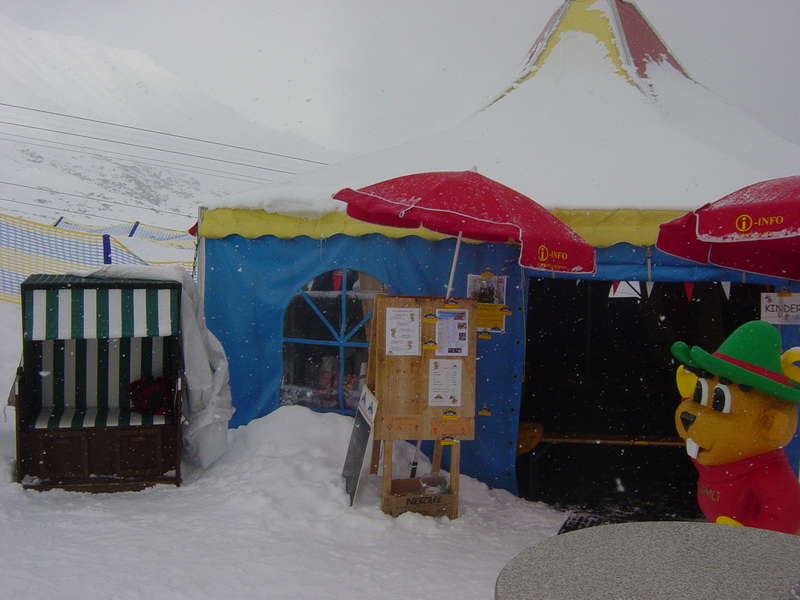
624, 262
250, 282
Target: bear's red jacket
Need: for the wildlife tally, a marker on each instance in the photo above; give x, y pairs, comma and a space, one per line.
761, 491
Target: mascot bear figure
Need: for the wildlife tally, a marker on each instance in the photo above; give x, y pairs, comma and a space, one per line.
740, 414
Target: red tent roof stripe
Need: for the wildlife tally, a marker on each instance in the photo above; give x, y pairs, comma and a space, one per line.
643, 43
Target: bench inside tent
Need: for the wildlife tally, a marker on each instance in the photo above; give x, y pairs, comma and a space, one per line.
85, 341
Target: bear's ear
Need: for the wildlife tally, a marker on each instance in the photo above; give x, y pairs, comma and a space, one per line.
686, 382
779, 425
788, 360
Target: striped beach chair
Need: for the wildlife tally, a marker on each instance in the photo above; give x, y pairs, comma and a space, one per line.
85, 341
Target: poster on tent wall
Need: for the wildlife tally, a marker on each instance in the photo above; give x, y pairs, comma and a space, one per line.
356, 464
780, 308
490, 292
487, 288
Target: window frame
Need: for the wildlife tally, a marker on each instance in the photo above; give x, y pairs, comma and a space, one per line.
341, 339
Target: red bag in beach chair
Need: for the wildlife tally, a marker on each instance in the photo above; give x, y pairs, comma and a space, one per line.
150, 396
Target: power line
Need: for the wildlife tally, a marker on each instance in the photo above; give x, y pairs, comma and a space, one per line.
175, 135
140, 159
56, 209
89, 137
51, 191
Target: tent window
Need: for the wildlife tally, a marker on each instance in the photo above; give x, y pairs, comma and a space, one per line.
325, 340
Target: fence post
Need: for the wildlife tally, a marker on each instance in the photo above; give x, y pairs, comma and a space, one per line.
106, 249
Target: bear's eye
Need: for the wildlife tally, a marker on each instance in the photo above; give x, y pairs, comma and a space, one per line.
701, 392
722, 399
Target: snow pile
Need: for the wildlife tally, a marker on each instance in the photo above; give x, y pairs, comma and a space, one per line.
271, 519
577, 135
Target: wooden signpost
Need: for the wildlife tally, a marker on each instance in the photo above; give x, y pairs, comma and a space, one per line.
422, 372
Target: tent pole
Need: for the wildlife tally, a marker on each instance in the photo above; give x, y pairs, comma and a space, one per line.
453, 267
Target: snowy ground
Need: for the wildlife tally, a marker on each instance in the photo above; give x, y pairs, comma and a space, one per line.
271, 519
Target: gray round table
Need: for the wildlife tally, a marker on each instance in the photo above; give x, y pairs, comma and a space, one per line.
646, 561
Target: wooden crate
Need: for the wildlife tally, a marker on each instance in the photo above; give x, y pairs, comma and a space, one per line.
407, 496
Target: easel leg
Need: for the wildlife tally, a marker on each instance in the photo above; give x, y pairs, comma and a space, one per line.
455, 473
376, 457
387, 475
436, 465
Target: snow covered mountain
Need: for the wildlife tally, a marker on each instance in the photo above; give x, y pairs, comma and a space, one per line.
101, 170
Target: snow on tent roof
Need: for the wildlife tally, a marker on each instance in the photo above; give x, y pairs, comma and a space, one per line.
610, 133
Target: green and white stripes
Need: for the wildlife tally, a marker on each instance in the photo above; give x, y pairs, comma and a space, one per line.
84, 382
74, 418
78, 313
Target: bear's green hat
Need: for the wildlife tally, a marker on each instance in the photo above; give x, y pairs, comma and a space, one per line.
750, 356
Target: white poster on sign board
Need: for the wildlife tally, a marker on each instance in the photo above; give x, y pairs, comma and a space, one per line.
452, 328
444, 382
402, 331
780, 308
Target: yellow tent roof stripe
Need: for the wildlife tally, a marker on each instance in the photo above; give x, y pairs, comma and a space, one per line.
629, 39
583, 16
600, 228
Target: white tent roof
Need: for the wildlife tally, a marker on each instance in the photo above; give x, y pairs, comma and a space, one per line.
577, 135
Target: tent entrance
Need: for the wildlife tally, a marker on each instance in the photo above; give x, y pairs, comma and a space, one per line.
600, 382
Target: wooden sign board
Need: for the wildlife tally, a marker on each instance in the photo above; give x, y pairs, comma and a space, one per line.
422, 367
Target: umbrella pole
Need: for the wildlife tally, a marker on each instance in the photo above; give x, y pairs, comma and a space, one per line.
453, 266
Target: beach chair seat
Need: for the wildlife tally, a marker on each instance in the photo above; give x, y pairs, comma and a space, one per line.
80, 418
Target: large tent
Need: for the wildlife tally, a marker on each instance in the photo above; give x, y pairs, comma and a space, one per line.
603, 127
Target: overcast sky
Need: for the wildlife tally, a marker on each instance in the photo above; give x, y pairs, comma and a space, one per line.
362, 74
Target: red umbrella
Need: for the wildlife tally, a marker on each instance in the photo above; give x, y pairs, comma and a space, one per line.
754, 229
469, 204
